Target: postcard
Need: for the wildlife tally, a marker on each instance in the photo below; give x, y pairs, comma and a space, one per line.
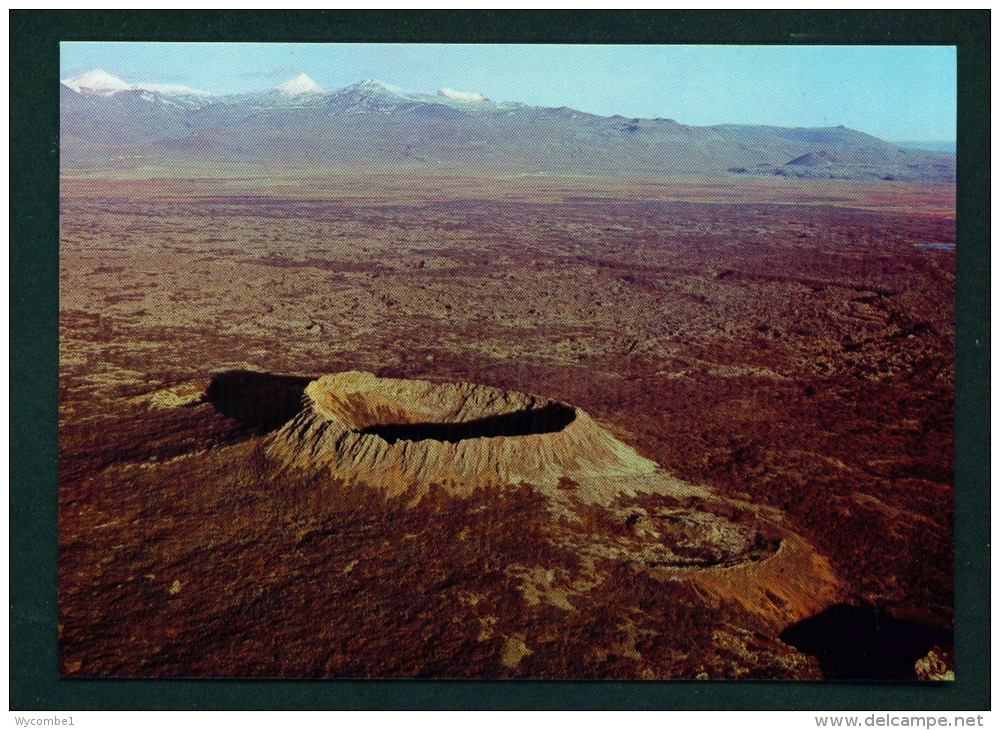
506, 361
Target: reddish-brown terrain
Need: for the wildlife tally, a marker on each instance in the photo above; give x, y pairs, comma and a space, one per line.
785, 348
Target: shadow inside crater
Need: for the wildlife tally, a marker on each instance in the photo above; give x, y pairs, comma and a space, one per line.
260, 402
853, 642
550, 418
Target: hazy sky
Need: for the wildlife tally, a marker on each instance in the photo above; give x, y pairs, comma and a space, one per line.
892, 92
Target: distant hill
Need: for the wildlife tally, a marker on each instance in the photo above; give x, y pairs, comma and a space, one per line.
109, 124
815, 158
948, 147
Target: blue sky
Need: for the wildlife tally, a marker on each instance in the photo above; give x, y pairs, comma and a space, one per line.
893, 92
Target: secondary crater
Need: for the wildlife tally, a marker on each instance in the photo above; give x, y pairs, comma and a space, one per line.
656, 531
698, 537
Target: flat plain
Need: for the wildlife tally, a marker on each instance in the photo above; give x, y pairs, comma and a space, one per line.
787, 344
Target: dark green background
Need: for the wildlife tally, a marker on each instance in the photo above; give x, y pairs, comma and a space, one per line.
34, 156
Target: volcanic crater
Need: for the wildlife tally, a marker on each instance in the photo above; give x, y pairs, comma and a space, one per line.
408, 436
399, 434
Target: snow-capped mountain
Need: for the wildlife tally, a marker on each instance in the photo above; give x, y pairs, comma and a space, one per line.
97, 82
300, 84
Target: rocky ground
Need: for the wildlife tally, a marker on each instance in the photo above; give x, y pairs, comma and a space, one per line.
790, 349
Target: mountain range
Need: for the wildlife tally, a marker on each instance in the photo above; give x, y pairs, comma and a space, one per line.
109, 124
